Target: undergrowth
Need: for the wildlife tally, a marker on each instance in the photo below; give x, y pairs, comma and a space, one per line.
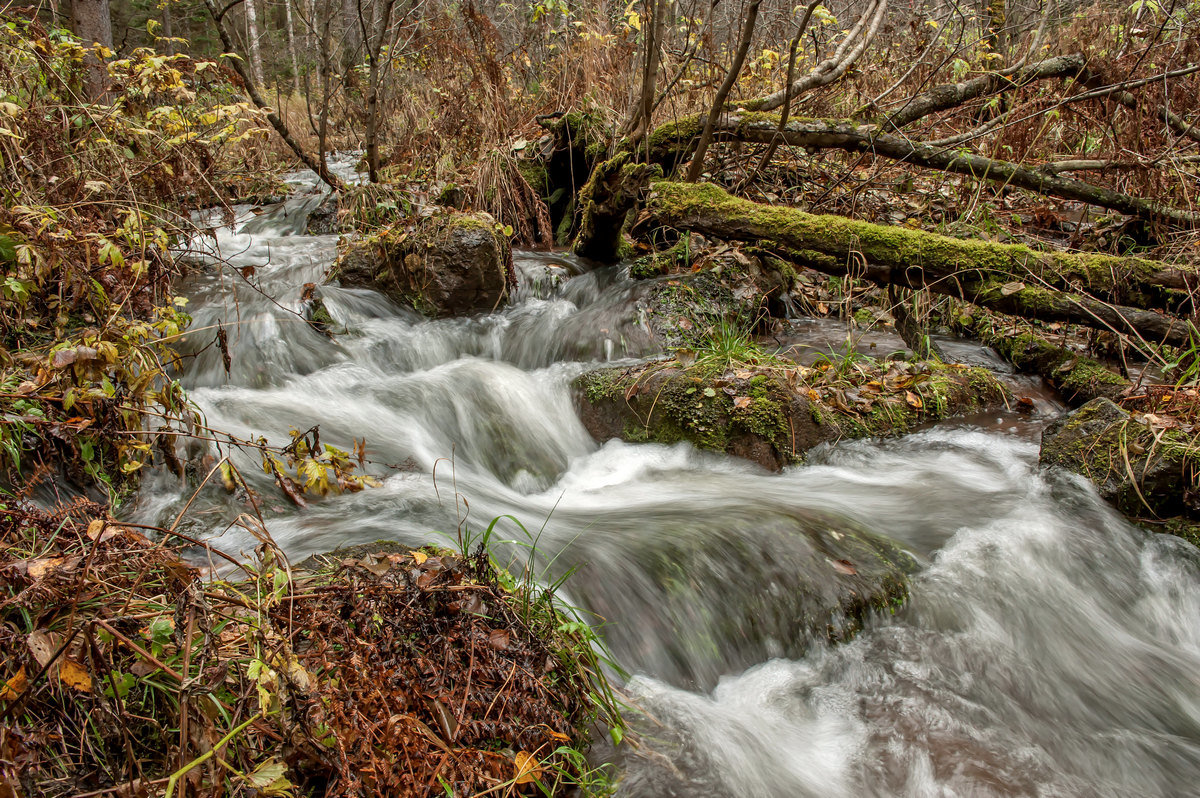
138, 662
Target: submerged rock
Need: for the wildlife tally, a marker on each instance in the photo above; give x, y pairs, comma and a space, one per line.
1140, 472
723, 594
324, 219
772, 415
448, 264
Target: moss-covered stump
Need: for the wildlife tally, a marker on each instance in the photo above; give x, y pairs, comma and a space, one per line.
773, 415
606, 201
1143, 471
448, 264
729, 593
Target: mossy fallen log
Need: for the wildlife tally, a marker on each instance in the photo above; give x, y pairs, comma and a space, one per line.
1109, 292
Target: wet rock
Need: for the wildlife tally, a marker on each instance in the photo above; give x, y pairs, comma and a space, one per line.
1139, 473
726, 593
313, 310
323, 219
448, 264
773, 415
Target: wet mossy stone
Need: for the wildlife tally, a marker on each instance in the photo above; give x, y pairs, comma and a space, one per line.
757, 414
1139, 474
448, 264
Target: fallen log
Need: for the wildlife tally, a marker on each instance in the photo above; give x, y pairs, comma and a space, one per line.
672, 142
1118, 293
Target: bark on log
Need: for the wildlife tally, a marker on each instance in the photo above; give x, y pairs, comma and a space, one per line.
1122, 293
671, 142
951, 95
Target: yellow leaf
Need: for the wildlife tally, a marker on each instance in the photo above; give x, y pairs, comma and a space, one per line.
43, 566
420, 557
14, 686
74, 675
913, 400
529, 769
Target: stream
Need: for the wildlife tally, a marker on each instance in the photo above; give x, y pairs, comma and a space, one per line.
1048, 649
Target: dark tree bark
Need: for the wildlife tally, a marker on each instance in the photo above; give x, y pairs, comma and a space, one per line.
92, 23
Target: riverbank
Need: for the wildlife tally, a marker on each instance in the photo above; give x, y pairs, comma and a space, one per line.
139, 662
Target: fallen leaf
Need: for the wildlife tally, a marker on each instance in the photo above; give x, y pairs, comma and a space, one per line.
74, 675
844, 567
419, 557
42, 645
14, 686
743, 374
741, 402
913, 400
44, 566
529, 769
1008, 289
498, 639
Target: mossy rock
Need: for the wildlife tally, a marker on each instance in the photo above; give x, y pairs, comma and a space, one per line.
766, 415
1140, 473
449, 264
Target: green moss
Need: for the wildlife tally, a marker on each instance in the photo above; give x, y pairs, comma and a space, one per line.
536, 175
671, 134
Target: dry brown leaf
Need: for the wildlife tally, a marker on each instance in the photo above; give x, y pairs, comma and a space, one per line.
741, 402
844, 567
14, 686
913, 400
74, 675
44, 566
42, 645
498, 639
529, 769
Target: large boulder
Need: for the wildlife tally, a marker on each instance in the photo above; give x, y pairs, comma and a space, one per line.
773, 414
448, 264
1139, 469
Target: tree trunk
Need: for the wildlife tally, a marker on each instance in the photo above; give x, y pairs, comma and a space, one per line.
1010, 278
318, 164
92, 23
168, 24
718, 103
292, 52
252, 36
352, 32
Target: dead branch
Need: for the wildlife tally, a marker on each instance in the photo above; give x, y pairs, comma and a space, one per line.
855, 43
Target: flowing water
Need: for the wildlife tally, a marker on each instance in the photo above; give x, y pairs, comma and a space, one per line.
1048, 649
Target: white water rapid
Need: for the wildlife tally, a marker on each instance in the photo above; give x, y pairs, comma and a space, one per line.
1048, 649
